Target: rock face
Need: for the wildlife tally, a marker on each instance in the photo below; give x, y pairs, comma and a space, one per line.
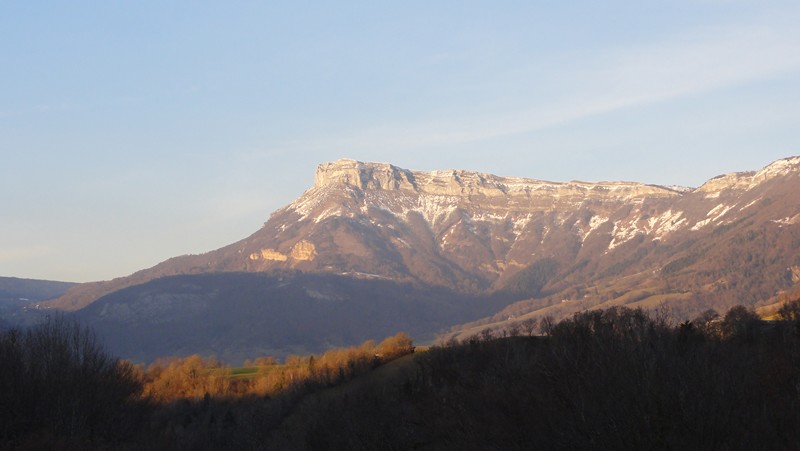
733, 238
302, 250
464, 184
269, 254
461, 229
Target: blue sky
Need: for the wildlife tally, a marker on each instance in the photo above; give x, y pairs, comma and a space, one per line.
131, 132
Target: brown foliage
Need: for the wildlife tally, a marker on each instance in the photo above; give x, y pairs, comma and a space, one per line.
394, 347
790, 311
189, 378
195, 378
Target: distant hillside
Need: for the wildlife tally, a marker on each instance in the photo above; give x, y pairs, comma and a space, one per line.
16, 293
235, 316
32, 289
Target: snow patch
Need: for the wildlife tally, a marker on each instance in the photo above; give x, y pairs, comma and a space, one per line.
788, 220
434, 208
665, 223
545, 231
680, 189
333, 211
750, 204
520, 224
714, 215
776, 169
623, 232
489, 217
594, 223
448, 233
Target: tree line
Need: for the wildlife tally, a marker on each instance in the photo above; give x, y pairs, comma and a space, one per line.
604, 379
60, 390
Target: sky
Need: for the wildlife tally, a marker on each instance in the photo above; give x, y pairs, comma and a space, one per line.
132, 132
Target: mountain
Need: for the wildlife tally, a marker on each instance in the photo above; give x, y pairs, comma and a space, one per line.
16, 293
527, 247
457, 229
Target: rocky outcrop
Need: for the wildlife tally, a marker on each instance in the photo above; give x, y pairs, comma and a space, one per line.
364, 175
303, 250
269, 254
741, 181
459, 183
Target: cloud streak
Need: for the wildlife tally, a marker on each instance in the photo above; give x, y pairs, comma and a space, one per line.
687, 65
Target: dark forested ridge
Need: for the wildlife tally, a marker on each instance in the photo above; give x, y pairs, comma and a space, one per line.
60, 390
613, 379
604, 379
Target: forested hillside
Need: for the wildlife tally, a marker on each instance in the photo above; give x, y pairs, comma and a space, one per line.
605, 379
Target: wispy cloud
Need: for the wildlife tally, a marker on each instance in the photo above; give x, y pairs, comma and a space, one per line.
702, 62
682, 66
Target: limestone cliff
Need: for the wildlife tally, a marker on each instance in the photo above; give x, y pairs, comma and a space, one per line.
459, 183
748, 180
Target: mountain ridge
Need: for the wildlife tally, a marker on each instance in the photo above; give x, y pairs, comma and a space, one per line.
19, 294
454, 253
465, 230
365, 175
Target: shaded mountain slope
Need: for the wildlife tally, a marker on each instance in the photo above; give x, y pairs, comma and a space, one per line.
243, 315
17, 294
14, 288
